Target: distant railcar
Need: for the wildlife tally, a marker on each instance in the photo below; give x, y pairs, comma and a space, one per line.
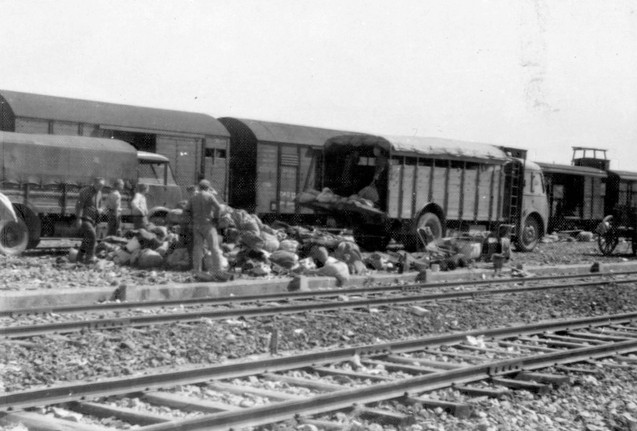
437, 183
576, 196
581, 194
270, 163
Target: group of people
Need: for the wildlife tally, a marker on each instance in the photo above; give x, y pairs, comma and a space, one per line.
202, 213
89, 208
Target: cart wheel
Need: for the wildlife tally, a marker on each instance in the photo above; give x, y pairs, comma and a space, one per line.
607, 243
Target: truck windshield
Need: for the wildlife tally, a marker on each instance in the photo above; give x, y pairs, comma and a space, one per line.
158, 173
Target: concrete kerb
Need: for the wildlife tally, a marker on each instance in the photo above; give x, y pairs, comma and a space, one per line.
54, 297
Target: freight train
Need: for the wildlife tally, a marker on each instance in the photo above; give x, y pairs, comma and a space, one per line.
263, 166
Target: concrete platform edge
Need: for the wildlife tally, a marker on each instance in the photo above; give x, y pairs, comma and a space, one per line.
54, 298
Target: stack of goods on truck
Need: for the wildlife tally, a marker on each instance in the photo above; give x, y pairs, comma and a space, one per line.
327, 200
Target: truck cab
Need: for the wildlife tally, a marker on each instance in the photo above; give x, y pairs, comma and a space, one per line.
155, 171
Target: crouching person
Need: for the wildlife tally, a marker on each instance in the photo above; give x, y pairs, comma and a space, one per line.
203, 210
330, 266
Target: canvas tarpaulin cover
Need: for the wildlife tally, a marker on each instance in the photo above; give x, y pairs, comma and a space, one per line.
54, 159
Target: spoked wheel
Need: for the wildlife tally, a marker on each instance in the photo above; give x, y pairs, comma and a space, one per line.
607, 242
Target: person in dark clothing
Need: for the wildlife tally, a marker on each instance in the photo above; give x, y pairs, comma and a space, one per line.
87, 211
203, 209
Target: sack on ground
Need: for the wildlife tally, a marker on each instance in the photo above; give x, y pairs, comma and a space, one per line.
270, 242
149, 259
285, 259
178, 259
252, 240
122, 257
176, 216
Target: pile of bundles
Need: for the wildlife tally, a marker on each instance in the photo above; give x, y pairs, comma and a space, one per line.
142, 248
249, 247
253, 248
257, 249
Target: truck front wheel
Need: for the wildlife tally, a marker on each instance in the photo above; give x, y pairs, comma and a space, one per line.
14, 237
530, 235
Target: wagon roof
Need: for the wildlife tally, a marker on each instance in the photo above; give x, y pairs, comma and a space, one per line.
425, 146
553, 168
625, 175
267, 131
133, 118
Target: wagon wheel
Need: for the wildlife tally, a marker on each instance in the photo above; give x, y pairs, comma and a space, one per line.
607, 242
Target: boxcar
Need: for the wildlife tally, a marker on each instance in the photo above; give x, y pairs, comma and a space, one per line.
270, 163
195, 144
438, 183
576, 196
581, 194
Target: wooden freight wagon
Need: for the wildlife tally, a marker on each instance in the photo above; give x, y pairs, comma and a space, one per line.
195, 144
576, 196
270, 163
438, 183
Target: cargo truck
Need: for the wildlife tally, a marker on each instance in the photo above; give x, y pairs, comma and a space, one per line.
41, 175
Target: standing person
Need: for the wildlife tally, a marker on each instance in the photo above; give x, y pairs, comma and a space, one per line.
139, 208
114, 208
203, 209
87, 214
185, 229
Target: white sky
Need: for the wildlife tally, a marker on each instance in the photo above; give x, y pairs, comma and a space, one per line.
538, 74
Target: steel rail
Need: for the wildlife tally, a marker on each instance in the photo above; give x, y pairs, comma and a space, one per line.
132, 321
294, 295
275, 412
117, 386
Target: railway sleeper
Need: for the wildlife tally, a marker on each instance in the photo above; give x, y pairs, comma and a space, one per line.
536, 388
577, 370
459, 410
134, 417
184, 403
37, 422
553, 379
483, 392
384, 416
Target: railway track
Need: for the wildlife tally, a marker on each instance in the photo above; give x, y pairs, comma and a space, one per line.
299, 302
311, 387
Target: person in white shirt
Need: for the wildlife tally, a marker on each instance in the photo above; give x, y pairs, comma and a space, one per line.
114, 208
139, 208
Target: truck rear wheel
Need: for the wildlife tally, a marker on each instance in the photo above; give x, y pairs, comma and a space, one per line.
434, 224
14, 237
